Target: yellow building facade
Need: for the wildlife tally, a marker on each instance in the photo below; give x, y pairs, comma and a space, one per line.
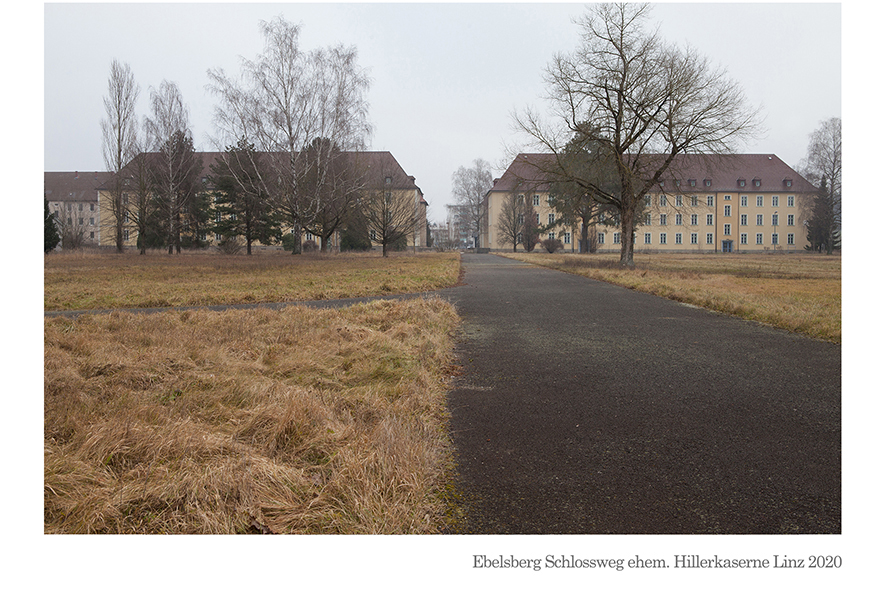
736, 203
381, 170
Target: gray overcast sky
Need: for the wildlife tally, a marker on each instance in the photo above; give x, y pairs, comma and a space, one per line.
446, 77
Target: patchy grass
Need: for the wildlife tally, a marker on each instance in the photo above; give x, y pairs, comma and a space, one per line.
292, 421
796, 292
78, 281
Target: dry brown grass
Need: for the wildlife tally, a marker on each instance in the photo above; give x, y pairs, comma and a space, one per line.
78, 281
290, 421
796, 292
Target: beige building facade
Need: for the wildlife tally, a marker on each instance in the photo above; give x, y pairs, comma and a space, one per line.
381, 170
735, 203
73, 199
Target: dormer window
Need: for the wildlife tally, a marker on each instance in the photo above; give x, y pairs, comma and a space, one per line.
707, 183
388, 181
741, 183
757, 182
692, 182
788, 182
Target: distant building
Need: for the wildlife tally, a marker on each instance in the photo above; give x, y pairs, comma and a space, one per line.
73, 199
380, 169
734, 203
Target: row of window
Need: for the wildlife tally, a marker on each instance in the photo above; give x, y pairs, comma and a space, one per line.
709, 219
693, 238
693, 200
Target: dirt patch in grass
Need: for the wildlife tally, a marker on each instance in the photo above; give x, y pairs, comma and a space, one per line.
796, 292
290, 421
76, 281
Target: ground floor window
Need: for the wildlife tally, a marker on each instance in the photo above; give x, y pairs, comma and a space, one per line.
647, 238
600, 238
744, 239
616, 238
678, 238
759, 239
567, 238
790, 239
775, 239
709, 238
693, 238
663, 238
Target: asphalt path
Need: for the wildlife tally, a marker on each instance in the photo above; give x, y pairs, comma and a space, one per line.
586, 408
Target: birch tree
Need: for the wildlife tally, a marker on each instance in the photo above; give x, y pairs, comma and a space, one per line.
176, 168
284, 99
469, 188
119, 130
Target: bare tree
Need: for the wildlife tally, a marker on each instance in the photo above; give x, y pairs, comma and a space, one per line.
391, 215
176, 168
824, 164
469, 188
643, 101
119, 130
510, 220
286, 98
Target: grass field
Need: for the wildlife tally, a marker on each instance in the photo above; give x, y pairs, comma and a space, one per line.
291, 421
75, 281
796, 292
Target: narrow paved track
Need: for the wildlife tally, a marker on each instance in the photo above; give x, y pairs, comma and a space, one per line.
588, 408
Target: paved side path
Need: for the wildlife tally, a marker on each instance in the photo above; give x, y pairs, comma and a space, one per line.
588, 408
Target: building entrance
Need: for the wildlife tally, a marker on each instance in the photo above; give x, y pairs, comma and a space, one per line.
727, 246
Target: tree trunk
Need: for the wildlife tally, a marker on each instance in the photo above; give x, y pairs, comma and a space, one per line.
627, 236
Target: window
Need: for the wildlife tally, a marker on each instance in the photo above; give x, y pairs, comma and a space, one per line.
678, 201
709, 239
789, 182
372, 234
693, 238
663, 238
520, 198
756, 183
775, 239
520, 219
678, 238
790, 200
551, 236
744, 201
550, 218
741, 183
759, 239
662, 200
744, 239
647, 200
790, 220
92, 220
567, 238
678, 219
535, 200
727, 211
126, 235
775, 201
693, 219
537, 219
727, 197
744, 219
92, 205
710, 219
600, 238
218, 236
692, 182
775, 220
759, 219
80, 207
80, 221
648, 219
707, 183
92, 235
616, 238
388, 181
694, 201
663, 219
710, 200
790, 239
647, 238
727, 229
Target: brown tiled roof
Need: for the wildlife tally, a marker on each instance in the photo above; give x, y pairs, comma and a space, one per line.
723, 172
73, 186
376, 164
